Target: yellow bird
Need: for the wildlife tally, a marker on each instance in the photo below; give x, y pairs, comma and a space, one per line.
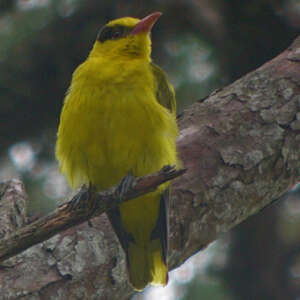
118, 118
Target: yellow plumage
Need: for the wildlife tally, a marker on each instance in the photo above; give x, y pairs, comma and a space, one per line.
113, 123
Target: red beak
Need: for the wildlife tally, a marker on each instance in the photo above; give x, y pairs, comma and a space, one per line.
145, 25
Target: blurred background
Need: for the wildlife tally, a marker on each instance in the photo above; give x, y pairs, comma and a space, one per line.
203, 45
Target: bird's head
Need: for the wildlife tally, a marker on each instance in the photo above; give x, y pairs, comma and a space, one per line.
125, 37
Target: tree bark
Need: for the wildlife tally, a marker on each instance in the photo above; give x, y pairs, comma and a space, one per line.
241, 148
86, 204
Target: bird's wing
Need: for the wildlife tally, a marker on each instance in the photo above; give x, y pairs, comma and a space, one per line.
124, 237
160, 231
164, 90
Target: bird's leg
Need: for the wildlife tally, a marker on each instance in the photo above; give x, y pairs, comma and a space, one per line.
84, 199
125, 185
80, 199
91, 203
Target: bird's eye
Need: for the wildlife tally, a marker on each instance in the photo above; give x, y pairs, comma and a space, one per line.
116, 34
112, 33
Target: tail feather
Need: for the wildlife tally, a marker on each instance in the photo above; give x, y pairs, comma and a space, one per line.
159, 269
146, 265
145, 247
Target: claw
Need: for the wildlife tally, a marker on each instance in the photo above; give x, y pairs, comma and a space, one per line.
168, 170
125, 185
84, 199
92, 204
80, 198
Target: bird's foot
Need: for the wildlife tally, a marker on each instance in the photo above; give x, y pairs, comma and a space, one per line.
84, 200
80, 199
125, 185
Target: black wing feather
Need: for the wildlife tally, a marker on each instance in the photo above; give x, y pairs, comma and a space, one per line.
160, 231
123, 236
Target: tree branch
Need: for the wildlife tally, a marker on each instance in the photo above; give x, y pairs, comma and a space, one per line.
83, 206
241, 146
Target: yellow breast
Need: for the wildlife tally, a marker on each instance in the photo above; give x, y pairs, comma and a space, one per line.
112, 124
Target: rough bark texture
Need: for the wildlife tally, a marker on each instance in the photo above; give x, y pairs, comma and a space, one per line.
241, 148
82, 207
13, 214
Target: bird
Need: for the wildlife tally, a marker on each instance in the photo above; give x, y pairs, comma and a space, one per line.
119, 118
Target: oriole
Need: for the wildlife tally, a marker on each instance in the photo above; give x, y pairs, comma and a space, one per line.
119, 117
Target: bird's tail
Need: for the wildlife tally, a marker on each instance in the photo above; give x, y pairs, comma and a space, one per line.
145, 246
146, 264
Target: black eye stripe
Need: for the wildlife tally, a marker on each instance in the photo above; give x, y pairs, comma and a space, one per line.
112, 32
